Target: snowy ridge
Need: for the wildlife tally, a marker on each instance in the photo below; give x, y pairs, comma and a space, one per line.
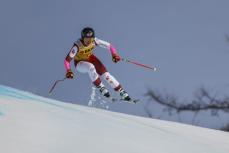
34, 124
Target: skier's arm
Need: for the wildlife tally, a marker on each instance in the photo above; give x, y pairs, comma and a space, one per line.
109, 46
67, 61
69, 57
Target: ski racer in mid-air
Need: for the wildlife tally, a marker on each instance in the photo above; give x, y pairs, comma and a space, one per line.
86, 62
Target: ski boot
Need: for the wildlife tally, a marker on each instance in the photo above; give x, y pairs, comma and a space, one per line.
104, 92
126, 98
124, 95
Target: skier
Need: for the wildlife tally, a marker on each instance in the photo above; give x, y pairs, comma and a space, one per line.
86, 62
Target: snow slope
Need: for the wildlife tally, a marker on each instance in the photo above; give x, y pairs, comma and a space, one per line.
33, 124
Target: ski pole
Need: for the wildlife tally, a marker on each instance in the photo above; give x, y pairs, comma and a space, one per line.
139, 64
54, 85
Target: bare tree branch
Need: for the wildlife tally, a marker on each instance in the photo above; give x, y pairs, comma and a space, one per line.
202, 102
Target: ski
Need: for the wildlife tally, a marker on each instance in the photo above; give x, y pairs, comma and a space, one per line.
132, 101
114, 100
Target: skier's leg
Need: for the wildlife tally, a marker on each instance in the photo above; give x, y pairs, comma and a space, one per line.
116, 85
102, 71
87, 67
111, 81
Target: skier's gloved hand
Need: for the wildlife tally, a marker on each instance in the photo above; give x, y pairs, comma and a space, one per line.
69, 74
116, 58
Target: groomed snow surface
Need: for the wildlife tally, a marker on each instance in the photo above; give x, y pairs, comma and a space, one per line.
33, 124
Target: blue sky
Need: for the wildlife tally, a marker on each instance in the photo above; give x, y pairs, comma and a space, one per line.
184, 39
